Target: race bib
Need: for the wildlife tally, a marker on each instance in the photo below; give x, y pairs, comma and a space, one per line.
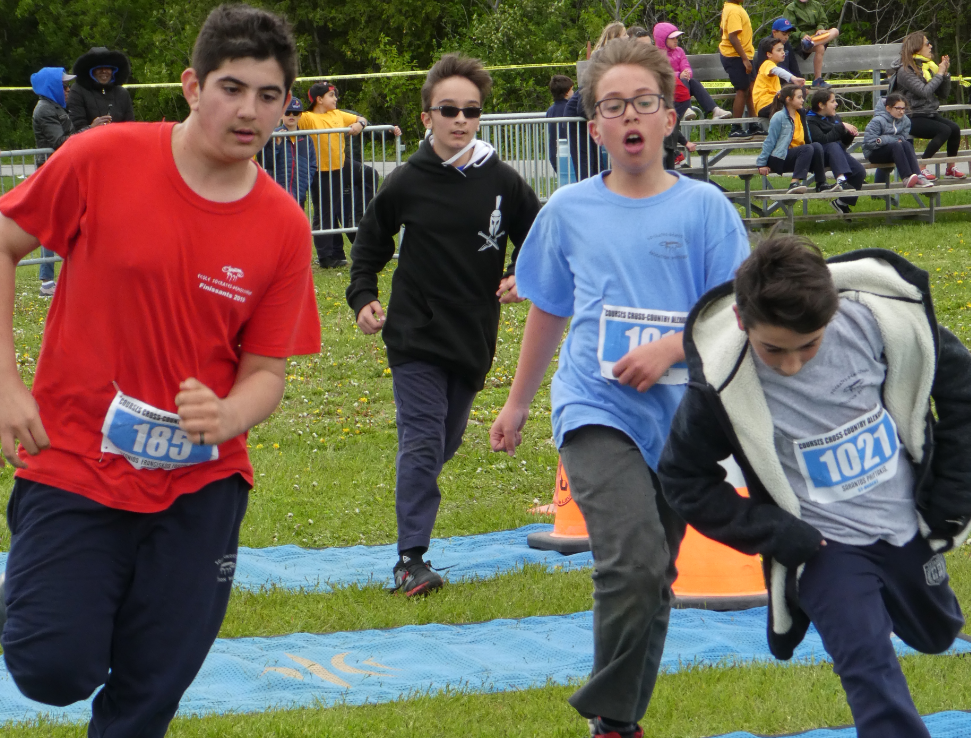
623, 329
149, 438
848, 461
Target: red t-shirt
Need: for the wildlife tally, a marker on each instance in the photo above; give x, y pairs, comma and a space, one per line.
158, 285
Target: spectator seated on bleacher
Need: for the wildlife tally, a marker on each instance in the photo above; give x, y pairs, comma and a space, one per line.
886, 140
666, 37
771, 75
781, 29
827, 129
924, 84
811, 27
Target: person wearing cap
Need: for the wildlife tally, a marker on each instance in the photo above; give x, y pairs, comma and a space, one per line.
666, 36
291, 160
811, 27
97, 97
52, 127
781, 30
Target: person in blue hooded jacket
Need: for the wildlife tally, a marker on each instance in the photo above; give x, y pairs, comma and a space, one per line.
291, 160
52, 127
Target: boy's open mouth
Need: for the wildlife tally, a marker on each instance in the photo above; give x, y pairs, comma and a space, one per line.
633, 141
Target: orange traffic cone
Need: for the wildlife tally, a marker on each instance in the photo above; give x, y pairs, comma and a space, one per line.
712, 576
569, 534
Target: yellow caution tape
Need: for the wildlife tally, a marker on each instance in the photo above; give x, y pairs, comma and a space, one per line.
962, 80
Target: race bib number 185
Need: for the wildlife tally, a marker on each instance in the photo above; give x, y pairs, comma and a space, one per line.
622, 329
850, 460
150, 438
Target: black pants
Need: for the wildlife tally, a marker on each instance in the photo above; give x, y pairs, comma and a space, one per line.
799, 161
939, 130
856, 596
699, 93
327, 196
900, 153
132, 601
432, 408
843, 164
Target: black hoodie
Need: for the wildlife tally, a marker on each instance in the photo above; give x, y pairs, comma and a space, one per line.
88, 99
443, 306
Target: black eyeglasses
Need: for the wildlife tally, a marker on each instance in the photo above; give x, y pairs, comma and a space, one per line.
614, 107
451, 111
899, 107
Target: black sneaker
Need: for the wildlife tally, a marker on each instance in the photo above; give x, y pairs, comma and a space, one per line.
840, 207
835, 187
754, 129
599, 730
738, 134
416, 577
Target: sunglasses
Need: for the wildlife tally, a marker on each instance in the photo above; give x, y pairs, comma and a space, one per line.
293, 114
451, 111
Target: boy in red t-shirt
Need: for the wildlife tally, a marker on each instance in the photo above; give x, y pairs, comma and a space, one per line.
186, 284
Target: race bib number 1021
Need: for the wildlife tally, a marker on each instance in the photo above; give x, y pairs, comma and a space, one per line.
150, 438
623, 329
850, 460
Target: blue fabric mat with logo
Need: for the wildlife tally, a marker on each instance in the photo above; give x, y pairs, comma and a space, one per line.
322, 569
951, 724
299, 670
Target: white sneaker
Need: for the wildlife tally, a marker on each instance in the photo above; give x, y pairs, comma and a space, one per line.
47, 288
720, 113
924, 182
689, 114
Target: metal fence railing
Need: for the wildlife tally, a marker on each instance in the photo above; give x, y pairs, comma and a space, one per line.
547, 152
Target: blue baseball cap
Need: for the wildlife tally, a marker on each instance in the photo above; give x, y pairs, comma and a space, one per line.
295, 105
782, 24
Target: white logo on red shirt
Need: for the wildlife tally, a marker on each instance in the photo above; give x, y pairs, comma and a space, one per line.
232, 273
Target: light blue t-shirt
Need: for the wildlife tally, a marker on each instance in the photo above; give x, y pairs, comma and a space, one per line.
628, 271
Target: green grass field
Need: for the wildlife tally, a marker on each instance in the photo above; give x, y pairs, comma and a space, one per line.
325, 477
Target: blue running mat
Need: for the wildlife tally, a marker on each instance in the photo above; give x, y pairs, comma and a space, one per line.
259, 674
320, 570
941, 725
468, 557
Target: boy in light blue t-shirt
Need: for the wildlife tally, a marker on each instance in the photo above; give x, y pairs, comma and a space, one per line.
617, 254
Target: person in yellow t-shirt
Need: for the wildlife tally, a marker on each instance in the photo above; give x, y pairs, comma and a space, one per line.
769, 80
736, 52
327, 193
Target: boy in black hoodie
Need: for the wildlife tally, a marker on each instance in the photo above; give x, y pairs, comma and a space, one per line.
818, 378
459, 205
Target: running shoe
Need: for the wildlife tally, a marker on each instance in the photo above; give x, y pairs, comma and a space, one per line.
913, 180
840, 207
928, 174
797, 189
952, 171
47, 288
416, 577
599, 730
720, 113
738, 133
835, 187
923, 182
689, 114
820, 84
678, 160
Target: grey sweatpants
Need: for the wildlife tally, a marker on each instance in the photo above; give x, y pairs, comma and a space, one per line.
634, 537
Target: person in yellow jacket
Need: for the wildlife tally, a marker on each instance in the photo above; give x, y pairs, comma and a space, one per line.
327, 193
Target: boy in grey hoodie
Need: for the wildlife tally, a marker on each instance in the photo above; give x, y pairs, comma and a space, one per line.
887, 139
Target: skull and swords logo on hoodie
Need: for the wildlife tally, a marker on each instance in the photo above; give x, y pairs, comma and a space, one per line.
494, 234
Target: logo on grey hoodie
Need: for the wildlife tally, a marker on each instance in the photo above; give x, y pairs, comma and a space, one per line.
494, 234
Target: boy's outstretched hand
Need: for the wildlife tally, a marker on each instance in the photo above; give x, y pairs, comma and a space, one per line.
507, 430
507, 292
371, 318
642, 367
